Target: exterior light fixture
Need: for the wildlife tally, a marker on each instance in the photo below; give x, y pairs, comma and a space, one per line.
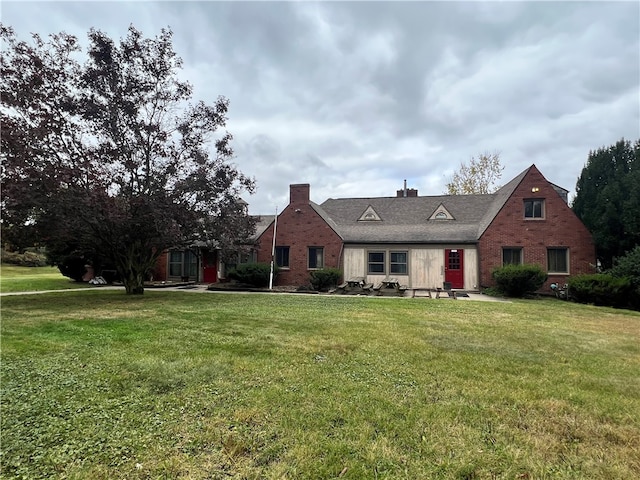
535, 189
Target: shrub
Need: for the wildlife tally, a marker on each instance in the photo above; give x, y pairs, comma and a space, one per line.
325, 278
628, 266
600, 289
73, 267
254, 274
26, 259
519, 280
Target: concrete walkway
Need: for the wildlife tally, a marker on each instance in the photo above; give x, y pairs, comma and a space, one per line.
202, 288
88, 289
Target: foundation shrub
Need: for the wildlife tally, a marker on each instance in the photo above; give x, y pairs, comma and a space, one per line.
325, 278
601, 289
519, 280
629, 266
254, 274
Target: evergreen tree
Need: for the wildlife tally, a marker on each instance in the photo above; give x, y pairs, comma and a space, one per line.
608, 199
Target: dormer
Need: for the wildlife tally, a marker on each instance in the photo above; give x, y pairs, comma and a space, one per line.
441, 213
369, 215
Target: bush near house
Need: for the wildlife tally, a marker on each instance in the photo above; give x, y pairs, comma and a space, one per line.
325, 278
628, 266
600, 289
618, 287
254, 274
519, 280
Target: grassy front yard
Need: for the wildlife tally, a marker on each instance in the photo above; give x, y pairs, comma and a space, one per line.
34, 279
99, 385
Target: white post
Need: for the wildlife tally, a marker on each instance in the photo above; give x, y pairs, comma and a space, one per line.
273, 249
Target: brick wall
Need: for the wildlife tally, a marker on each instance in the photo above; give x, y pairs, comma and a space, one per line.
300, 227
160, 270
559, 228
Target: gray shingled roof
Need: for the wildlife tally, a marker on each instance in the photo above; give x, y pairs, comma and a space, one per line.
499, 199
406, 219
262, 223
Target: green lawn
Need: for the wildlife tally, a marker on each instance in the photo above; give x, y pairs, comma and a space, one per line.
99, 385
32, 279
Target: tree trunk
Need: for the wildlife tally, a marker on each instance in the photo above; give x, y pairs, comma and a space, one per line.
133, 283
133, 275
135, 263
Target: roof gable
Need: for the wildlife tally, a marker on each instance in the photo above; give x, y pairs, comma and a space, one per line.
369, 215
441, 213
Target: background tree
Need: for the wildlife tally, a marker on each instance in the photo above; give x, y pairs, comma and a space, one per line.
608, 199
479, 176
110, 157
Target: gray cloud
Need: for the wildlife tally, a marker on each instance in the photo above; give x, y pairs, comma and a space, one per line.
355, 97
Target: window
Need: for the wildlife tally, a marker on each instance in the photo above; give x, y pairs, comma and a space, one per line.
248, 257
534, 208
241, 258
398, 263
558, 260
316, 257
511, 256
375, 263
183, 263
282, 257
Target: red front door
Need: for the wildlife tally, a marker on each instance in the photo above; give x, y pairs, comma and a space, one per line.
454, 267
209, 267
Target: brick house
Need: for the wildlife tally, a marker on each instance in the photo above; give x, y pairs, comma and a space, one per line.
305, 239
536, 225
202, 262
198, 263
427, 242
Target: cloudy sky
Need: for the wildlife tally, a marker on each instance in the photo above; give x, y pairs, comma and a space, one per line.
354, 98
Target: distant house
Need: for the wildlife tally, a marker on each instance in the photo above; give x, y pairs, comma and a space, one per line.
202, 262
198, 264
432, 241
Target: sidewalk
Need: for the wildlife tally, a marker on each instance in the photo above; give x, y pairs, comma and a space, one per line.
203, 288
105, 287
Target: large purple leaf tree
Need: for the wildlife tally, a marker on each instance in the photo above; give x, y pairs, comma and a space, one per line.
103, 151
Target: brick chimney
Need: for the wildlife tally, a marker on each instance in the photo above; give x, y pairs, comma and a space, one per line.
406, 192
299, 194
